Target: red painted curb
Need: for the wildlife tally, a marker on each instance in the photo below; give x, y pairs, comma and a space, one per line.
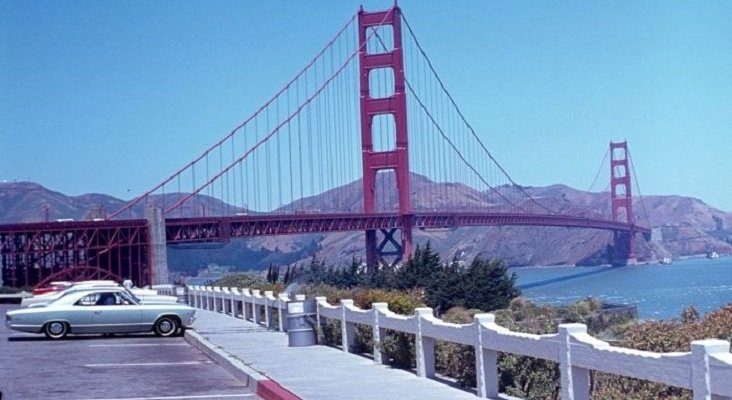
271, 390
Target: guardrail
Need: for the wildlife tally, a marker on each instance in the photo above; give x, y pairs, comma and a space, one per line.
706, 369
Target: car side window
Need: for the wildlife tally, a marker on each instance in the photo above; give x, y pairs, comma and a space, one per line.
107, 299
88, 300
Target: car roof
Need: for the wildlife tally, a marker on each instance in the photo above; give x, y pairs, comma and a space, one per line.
73, 297
96, 282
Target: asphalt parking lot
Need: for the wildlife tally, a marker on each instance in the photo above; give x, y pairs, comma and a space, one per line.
139, 367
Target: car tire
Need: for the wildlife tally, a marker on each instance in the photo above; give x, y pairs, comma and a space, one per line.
56, 329
166, 326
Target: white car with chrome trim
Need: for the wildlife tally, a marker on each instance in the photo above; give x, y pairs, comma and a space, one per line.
101, 310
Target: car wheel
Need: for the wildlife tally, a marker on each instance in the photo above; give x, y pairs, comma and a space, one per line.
56, 329
166, 326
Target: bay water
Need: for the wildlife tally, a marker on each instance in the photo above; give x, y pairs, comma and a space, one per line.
659, 291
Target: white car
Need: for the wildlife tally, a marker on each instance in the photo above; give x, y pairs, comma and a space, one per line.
145, 296
101, 310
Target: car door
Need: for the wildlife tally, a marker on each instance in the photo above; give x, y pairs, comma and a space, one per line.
80, 315
116, 316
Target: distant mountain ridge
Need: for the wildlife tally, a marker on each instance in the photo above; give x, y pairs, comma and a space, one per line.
682, 226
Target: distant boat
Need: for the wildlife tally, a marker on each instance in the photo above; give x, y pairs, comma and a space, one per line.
713, 255
665, 261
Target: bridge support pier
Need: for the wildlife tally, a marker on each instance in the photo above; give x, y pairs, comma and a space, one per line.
157, 250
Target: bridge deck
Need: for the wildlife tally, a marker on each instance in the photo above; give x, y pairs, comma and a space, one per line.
316, 372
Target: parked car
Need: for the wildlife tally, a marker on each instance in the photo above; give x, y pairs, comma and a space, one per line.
52, 287
101, 310
146, 296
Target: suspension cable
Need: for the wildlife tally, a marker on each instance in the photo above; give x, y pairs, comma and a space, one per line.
462, 117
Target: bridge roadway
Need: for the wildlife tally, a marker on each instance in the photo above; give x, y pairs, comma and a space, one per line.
313, 372
212, 229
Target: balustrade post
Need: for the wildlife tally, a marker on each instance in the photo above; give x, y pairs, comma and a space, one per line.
237, 299
268, 308
225, 295
424, 346
255, 306
486, 361
232, 304
701, 380
282, 300
575, 380
209, 293
246, 310
379, 333
348, 329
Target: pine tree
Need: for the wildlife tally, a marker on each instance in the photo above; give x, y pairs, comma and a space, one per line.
488, 285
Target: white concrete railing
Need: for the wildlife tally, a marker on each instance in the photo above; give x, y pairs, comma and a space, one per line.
706, 370
166, 290
251, 305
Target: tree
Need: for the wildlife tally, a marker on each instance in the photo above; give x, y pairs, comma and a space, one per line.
420, 270
488, 286
447, 290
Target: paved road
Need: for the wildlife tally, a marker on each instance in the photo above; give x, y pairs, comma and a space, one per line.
140, 367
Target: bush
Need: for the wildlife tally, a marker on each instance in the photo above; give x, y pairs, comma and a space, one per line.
398, 347
457, 360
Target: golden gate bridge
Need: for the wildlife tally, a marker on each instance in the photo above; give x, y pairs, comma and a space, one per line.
368, 121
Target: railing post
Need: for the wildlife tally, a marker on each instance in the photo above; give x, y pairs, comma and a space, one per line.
209, 293
216, 291
268, 308
379, 333
282, 300
255, 306
486, 361
348, 330
701, 382
235, 298
225, 295
232, 305
425, 346
575, 380
246, 310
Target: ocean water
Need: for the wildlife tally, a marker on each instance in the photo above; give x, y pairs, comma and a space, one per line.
659, 291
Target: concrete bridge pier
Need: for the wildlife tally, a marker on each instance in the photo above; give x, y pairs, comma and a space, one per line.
157, 250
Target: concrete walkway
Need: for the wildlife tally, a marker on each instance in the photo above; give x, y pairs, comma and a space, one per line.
314, 372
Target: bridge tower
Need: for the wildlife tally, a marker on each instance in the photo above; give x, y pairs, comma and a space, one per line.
397, 159
622, 202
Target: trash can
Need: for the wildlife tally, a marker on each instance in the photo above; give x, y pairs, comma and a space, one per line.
301, 323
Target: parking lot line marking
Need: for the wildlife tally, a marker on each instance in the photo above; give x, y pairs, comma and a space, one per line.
205, 396
152, 364
138, 344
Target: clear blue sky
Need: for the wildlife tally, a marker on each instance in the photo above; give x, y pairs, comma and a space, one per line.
113, 96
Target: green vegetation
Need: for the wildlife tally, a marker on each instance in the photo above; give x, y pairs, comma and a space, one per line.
484, 284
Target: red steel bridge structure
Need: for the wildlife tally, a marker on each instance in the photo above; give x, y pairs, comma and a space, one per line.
421, 165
